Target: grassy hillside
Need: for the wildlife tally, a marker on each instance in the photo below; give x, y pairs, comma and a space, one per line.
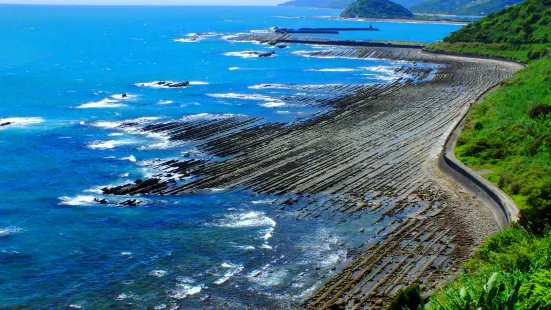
526, 23
511, 271
507, 136
521, 33
462, 7
376, 9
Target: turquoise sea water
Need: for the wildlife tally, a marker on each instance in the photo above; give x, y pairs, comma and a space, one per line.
62, 73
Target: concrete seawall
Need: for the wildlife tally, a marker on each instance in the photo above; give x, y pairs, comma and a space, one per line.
502, 206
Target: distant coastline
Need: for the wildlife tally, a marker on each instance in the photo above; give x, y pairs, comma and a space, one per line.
403, 20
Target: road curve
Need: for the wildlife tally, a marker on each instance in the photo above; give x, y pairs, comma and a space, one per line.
502, 206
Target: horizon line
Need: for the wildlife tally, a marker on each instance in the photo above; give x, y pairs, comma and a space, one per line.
124, 3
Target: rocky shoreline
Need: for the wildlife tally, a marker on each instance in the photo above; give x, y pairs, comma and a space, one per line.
373, 152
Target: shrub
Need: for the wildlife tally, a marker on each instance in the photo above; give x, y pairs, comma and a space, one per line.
538, 110
538, 216
410, 298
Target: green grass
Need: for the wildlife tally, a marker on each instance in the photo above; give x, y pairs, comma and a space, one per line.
525, 23
509, 133
523, 53
508, 136
376, 9
521, 263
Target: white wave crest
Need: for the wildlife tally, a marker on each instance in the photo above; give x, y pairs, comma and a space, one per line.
130, 158
246, 247
188, 40
332, 70
104, 103
198, 83
77, 201
208, 116
242, 96
265, 201
165, 102
249, 219
245, 54
158, 273
185, 289
110, 144
8, 231
155, 84
232, 270
273, 104
20, 121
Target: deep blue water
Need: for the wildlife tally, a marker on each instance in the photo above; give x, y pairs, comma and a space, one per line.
62, 71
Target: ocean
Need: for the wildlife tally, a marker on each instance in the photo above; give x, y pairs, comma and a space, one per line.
70, 75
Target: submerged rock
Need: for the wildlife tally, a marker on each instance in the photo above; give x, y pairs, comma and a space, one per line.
5, 124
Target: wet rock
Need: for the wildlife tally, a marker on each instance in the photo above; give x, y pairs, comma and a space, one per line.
124, 95
173, 84
130, 203
5, 124
288, 202
268, 54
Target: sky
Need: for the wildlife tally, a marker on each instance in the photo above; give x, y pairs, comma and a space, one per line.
146, 2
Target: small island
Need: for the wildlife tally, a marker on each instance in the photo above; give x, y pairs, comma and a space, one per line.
376, 9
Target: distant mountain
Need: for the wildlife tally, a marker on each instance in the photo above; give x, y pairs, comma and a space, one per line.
330, 4
376, 9
340, 4
408, 3
462, 7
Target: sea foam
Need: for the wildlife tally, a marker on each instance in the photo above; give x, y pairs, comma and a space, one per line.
20, 121
77, 201
104, 103
231, 271
8, 231
249, 219
242, 96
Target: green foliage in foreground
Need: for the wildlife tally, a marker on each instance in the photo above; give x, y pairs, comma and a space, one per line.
511, 271
410, 298
376, 9
509, 135
525, 23
521, 53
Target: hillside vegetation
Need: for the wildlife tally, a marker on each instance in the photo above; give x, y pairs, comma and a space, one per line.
526, 23
376, 9
462, 7
521, 33
339, 4
507, 136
